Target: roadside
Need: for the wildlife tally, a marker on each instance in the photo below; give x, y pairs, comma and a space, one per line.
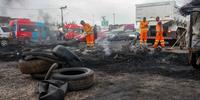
135, 78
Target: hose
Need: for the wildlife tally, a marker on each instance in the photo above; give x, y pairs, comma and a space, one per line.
54, 66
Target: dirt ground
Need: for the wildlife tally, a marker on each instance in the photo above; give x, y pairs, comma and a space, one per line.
126, 76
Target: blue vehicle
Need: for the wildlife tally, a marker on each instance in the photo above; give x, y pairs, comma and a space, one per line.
40, 32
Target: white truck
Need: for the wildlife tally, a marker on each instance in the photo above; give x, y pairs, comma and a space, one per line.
5, 36
169, 15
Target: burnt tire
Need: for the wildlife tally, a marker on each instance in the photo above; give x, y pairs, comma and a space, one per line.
38, 76
77, 78
194, 60
41, 76
68, 56
34, 66
41, 54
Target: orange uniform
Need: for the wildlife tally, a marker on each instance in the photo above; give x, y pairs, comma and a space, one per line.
90, 36
143, 31
159, 35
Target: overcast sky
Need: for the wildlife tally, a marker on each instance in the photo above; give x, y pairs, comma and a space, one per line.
88, 10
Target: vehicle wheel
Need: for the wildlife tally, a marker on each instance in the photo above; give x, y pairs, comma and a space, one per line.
194, 61
77, 78
34, 66
4, 43
67, 55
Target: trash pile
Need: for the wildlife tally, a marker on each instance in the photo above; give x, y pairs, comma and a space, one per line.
59, 70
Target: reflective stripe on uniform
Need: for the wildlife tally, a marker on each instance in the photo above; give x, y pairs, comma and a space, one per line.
162, 41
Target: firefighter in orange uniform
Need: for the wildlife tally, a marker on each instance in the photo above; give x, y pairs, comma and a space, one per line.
143, 32
90, 35
159, 34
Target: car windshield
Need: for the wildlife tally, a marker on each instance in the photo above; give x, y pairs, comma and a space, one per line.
130, 32
76, 30
5, 29
39, 29
26, 28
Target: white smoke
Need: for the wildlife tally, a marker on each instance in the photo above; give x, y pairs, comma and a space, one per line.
43, 16
105, 44
10, 3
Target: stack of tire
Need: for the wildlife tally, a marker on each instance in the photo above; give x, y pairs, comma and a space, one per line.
71, 70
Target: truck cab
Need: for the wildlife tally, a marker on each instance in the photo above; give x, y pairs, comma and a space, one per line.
74, 31
40, 32
22, 29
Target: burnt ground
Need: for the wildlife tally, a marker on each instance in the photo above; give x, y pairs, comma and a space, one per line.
120, 76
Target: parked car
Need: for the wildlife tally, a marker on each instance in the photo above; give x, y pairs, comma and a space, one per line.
122, 35
5, 36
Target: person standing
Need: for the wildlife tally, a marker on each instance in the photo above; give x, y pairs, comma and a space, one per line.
95, 32
61, 33
89, 34
159, 34
143, 32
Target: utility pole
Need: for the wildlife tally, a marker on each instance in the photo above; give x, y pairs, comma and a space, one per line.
62, 20
114, 18
93, 19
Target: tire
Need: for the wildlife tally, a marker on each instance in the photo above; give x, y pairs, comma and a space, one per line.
77, 78
29, 58
34, 66
41, 54
38, 76
4, 43
67, 55
47, 51
41, 76
44, 56
36, 50
194, 60
51, 60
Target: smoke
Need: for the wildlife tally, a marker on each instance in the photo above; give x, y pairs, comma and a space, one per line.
106, 48
10, 3
105, 44
23, 8
44, 16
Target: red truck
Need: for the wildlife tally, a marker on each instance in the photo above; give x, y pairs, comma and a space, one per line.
74, 31
22, 28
